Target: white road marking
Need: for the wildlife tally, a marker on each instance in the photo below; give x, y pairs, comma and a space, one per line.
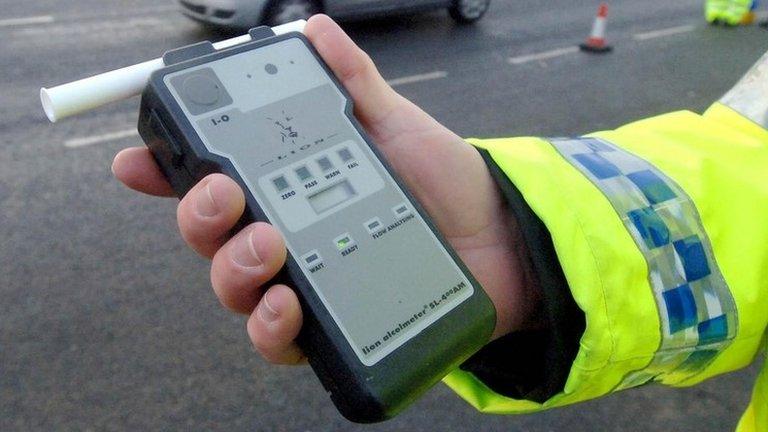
418, 78
542, 55
664, 32
144, 10
98, 139
93, 28
11, 22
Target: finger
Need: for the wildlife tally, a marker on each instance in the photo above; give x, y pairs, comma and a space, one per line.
275, 324
208, 212
373, 97
248, 260
137, 169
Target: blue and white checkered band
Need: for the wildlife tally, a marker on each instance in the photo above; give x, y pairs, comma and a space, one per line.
697, 312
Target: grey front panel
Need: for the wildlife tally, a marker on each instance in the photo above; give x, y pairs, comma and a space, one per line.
378, 268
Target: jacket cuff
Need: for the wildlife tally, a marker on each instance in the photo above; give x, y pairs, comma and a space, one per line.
532, 365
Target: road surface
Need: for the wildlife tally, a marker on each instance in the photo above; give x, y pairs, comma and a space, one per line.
107, 321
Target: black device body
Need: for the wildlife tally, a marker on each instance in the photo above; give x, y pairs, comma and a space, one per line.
361, 393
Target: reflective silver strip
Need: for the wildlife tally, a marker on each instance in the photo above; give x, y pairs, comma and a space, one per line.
750, 96
696, 309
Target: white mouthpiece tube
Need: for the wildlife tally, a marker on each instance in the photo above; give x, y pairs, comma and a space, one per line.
88, 93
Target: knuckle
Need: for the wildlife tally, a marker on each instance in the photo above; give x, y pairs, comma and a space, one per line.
263, 344
289, 355
234, 301
360, 68
232, 294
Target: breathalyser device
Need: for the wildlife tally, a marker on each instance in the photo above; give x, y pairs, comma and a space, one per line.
389, 308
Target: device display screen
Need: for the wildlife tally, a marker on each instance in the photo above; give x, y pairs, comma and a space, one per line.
372, 259
331, 196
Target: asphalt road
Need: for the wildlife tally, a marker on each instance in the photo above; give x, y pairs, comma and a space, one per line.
107, 321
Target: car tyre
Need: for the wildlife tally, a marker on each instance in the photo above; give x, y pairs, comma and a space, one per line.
468, 11
285, 11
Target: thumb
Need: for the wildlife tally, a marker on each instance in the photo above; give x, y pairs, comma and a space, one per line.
373, 97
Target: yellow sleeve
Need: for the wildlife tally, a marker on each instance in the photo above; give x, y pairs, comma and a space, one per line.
659, 227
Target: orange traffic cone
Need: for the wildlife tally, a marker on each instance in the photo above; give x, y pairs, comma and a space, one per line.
596, 41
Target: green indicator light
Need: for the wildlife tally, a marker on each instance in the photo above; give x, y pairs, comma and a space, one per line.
342, 243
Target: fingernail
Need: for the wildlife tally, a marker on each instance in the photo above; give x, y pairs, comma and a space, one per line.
267, 313
244, 252
205, 204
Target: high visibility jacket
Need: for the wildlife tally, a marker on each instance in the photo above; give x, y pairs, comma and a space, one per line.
650, 245
731, 12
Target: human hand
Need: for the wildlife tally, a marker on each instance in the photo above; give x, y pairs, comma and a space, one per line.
446, 175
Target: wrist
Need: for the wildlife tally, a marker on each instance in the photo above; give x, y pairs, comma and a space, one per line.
519, 307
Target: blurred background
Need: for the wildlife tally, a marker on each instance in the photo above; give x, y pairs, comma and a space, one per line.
107, 322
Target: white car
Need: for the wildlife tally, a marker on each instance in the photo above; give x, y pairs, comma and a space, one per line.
244, 14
